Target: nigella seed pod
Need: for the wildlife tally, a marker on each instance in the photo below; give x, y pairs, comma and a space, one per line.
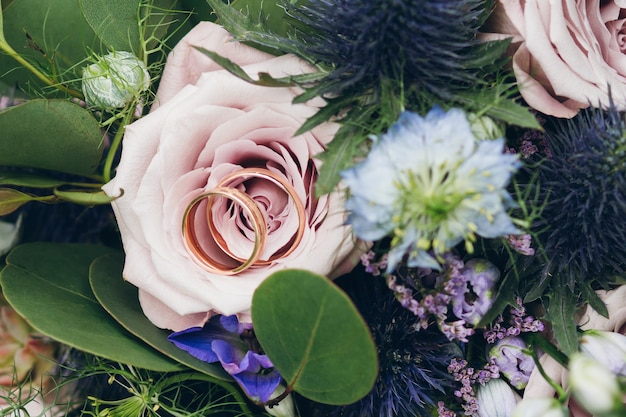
114, 80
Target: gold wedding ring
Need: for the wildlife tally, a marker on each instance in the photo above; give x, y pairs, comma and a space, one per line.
193, 245
227, 188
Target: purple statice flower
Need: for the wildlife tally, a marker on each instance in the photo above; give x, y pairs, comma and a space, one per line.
468, 377
510, 357
473, 295
518, 322
223, 339
521, 244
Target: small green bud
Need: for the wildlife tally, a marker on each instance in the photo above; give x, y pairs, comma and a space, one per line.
484, 127
114, 80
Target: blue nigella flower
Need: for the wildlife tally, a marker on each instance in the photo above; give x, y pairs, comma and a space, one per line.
220, 340
430, 184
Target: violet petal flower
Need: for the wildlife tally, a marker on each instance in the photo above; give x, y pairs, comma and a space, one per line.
219, 341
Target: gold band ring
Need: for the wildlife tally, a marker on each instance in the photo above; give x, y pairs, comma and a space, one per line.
243, 175
194, 247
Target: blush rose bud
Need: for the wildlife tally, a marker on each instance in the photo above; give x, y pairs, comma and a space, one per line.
540, 407
608, 348
594, 386
114, 80
496, 399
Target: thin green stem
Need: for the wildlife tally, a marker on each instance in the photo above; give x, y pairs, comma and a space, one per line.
115, 144
43, 77
557, 388
197, 376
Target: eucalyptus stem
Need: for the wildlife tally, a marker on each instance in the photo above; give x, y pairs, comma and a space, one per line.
43, 77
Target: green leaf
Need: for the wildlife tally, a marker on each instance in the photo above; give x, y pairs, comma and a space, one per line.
50, 134
591, 297
120, 299
506, 296
315, 337
560, 311
48, 284
56, 27
116, 22
514, 113
11, 200
338, 156
25, 179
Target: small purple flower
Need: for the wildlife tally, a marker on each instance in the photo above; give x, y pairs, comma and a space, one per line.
508, 354
225, 340
473, 295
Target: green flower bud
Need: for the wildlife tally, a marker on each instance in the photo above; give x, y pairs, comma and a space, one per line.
114, 80
484, 127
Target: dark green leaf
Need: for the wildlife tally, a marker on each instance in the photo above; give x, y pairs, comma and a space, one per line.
513, 113
338, 156
25, 179
56, 27
50, 134
120, 299
315, 337
591, 297
560, 311
116, 22
48, 284
506, 296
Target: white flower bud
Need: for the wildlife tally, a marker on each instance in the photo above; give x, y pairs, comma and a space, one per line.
114, 80
496, 399
540, 407
484, 127
608, 348
9, 235
285, 407
594, 386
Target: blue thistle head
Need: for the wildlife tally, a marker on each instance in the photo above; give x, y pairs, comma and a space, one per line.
430, 44
584, 183
412, 364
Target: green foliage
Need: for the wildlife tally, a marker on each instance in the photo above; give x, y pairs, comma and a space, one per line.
560, 312
50, 134
48, 284
38, 30
315, 337
114, 22
120, 299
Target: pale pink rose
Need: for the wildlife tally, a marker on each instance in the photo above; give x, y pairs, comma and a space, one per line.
566, 53
615, 301
208, 124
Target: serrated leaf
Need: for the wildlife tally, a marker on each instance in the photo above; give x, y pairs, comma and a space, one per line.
48, 284
115, 22
50, 134
338, 156
591, 297
560, 311
513, 113
315, 337
120, 299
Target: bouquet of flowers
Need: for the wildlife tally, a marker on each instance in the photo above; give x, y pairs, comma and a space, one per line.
313, 208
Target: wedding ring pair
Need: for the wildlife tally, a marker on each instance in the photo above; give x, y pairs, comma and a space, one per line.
227, 188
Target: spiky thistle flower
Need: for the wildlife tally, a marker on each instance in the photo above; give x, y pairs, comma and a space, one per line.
413, 363
584, 183
428, 43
